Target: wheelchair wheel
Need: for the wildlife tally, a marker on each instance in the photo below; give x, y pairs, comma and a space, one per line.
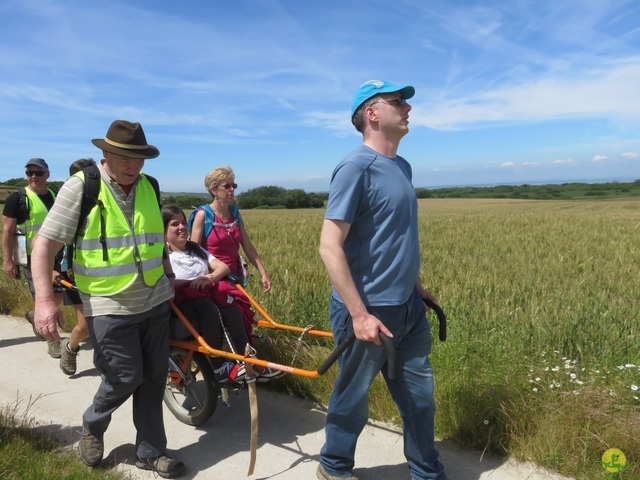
190, 395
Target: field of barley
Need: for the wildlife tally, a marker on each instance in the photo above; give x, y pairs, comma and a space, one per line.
542, 359
543, 306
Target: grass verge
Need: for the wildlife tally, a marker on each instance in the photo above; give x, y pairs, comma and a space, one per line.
27, 450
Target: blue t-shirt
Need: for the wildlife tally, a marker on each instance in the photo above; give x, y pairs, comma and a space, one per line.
374, 194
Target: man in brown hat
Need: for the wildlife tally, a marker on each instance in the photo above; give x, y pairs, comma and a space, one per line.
122, 274
23, 214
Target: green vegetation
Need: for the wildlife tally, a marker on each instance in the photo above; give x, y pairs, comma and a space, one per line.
267, 197
564, 191
28, 451
261, 197
278, 197
542, 298
542, 360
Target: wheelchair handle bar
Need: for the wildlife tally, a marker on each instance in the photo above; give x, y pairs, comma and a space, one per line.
442, 318
386, 341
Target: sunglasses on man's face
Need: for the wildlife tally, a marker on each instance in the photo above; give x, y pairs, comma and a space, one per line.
227, 186
37, 173
398, 102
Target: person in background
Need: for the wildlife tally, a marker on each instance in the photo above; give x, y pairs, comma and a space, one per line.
122, 271
24, 213
369, 245
226, 227
70, 347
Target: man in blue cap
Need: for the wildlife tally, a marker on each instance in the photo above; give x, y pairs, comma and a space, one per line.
369, 245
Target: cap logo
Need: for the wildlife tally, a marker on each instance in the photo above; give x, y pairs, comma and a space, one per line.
375, 83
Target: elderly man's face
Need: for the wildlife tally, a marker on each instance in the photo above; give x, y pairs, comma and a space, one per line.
124, 170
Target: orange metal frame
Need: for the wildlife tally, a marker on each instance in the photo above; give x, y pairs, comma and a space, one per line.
199, 344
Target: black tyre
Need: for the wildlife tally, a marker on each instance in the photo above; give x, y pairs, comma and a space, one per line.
194, 398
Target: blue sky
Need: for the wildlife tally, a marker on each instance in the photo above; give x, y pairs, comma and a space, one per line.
513, 91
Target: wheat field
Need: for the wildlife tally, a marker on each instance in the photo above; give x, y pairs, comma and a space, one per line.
543, 301
542, 359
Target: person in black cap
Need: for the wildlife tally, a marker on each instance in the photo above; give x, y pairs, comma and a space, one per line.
23, 214
123, 274
369, 245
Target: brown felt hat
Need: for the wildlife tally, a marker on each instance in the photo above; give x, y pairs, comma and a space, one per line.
127, 140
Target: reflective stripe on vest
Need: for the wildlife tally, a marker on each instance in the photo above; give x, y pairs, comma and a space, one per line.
129, 253
37, 213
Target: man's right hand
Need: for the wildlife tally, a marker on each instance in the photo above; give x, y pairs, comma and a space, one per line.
9, 267
367, 328
47, 319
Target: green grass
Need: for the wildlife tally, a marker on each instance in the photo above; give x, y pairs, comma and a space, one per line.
527, 287
543, 302
28, 451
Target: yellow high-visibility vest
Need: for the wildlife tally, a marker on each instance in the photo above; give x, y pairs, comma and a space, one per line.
107, 265
37, 213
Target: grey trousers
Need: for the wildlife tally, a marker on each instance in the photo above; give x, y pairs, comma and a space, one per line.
131, 352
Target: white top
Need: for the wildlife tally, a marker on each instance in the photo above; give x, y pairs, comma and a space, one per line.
188, 266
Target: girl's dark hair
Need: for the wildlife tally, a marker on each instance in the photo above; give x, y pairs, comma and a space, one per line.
170, 211
80, 164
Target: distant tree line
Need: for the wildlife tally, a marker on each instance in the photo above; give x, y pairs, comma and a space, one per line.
260, 197
562, 191
22, 182
279, 197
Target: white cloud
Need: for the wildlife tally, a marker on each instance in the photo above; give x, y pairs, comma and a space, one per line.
610, 90
599, 158
507, 164
564, 162
631, 154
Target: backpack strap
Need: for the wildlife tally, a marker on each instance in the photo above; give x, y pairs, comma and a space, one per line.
91, 190
156, 187
209, 217
23, 206
235, 212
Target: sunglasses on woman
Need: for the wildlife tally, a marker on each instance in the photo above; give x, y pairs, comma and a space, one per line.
227, 186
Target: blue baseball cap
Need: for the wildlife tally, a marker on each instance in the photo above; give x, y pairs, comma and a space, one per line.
37, 162
374, 87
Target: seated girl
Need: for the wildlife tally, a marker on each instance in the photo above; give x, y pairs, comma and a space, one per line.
203, 300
